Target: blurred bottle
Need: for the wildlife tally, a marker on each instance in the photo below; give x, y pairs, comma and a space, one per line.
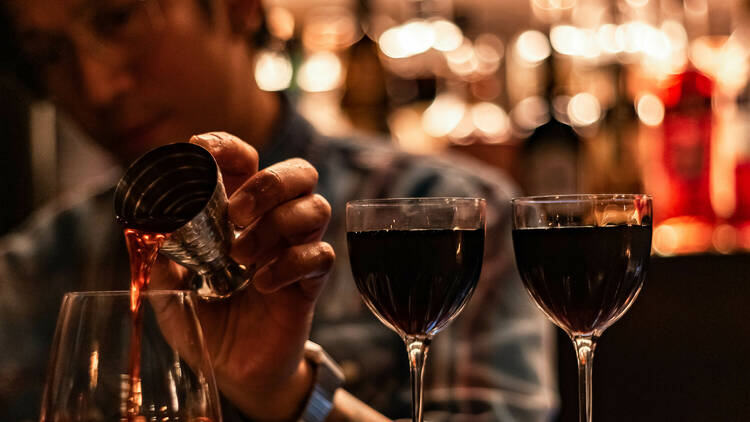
686, 152
365, 100
550, 156
610, 160
550, 160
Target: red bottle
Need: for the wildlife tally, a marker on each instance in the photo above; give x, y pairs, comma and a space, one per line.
686, 153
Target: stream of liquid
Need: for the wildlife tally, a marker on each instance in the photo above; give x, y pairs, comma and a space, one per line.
143, 248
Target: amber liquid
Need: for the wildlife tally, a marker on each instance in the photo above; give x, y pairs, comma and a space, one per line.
143, 247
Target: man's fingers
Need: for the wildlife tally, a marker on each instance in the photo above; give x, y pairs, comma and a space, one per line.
308, 264
270, 187
237, 160
298, 221
167, 275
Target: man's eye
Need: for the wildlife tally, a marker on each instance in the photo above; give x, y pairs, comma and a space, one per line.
118, 20
49, 55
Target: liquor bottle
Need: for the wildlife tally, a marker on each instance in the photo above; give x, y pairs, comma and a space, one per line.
550, 156
686, 147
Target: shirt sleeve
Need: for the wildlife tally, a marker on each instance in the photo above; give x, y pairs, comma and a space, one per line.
496, 360
33, 277
63, 247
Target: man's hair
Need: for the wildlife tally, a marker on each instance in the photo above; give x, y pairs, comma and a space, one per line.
12, 63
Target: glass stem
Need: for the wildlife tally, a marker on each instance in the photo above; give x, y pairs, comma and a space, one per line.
585, 346
417, 347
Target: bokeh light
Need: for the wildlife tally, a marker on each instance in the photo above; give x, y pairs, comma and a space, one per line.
650, 109
532, 46
637, 3
462, 133
724, 238
606, 37
488, 49
463, 61
447, 35
330, 28
443, 115
418, 36
530, 113
567, 39
584, 109
320, 72
412, 38
280, 22
491, 120
273, 71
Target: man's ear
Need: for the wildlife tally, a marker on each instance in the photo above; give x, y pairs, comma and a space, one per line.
245, 16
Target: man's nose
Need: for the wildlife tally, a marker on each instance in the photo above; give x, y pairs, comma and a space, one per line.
103, 80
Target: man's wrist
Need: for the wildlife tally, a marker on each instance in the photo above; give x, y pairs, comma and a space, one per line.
283, 403
328, 377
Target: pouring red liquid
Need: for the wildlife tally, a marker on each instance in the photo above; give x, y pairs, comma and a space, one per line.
143, 248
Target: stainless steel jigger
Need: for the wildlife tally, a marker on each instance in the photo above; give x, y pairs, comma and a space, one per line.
177, 190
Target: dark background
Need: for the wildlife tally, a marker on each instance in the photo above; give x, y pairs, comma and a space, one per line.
681, 353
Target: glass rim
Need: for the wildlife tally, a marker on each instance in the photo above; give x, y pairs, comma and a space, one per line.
126, 293
427, 200
572, 198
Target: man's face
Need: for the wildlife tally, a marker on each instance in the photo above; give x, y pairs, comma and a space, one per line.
134, 74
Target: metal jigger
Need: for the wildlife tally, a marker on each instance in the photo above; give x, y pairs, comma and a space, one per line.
177, 190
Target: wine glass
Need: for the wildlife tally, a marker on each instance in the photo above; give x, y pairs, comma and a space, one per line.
583, 259
111, 364
416, 262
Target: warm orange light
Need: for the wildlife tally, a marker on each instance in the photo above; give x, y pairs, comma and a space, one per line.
676, 34
682, 235
584, 109
696, 7
280, 22
491, 120
654, 43
723, 58
273, 71
554, 4
728, 131
447, 35
330, 28
551, 10
443, 115
650, 110
724, 238
94, 367
391, 45
409, 39
407, 131
567, 39
461, 134
530, 113
488, 49
532, 47
463, 61
606, 37
320, 72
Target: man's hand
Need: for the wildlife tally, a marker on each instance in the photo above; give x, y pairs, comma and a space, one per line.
256, 337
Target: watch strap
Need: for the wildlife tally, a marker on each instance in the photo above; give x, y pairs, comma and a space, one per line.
328, 378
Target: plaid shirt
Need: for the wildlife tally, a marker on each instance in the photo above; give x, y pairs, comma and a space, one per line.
493, 363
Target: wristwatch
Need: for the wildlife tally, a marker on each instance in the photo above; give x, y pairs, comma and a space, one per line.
328, 377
